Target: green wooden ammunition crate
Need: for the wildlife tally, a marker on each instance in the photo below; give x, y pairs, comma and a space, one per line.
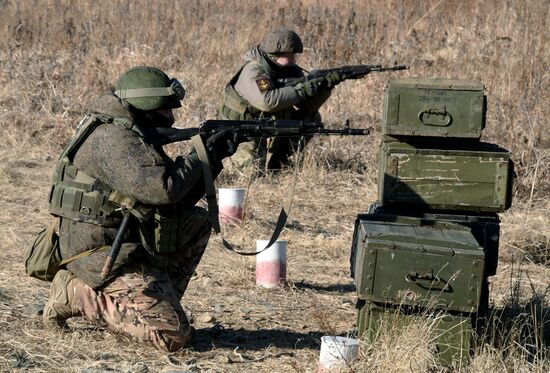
426, 266
431, 176
485, 228
434, 107
451, 334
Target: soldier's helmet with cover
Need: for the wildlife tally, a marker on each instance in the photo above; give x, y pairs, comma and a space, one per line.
281, 41
148, 88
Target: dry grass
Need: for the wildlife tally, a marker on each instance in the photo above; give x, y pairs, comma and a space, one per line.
393, 351
55, 56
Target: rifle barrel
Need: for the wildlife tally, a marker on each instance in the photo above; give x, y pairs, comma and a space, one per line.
345, 131
391, 68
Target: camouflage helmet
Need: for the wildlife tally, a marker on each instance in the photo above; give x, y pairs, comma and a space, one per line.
282, 41
148, 88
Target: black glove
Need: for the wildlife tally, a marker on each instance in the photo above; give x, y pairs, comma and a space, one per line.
310, 88
333, 78
221, 145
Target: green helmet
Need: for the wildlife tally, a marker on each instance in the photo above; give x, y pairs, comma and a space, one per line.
282, 41
148, 88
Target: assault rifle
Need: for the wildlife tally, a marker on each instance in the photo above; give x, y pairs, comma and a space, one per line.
246, 129
346, 72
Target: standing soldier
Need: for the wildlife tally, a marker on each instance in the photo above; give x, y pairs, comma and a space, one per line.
110, 169
256, 92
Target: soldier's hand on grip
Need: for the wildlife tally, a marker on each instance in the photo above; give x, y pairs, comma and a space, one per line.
310, 88
333, 78
221, 145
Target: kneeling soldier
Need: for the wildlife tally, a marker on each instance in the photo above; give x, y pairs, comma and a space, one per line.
108, 169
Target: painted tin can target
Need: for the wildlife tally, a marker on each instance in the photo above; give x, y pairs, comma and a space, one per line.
231, 202
271, 263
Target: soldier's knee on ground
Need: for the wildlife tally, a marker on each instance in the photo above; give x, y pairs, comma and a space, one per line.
244, 155
249, 155
143, 304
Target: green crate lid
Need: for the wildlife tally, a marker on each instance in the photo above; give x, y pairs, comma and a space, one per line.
437, 83
457, 240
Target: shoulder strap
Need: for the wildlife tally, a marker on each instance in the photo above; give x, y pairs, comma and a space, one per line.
209, 187
85, 128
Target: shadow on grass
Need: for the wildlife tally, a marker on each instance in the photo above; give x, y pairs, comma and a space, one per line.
522, 326
218, 337
339, 288
290, 224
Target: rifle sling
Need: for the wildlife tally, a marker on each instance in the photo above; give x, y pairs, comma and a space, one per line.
285, 210
210, 190
83, 254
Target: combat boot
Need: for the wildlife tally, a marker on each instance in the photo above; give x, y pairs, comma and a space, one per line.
59, 306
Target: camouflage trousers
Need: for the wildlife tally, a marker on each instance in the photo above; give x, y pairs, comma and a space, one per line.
144, 301
271, 154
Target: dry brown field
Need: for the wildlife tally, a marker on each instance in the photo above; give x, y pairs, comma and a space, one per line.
55, 56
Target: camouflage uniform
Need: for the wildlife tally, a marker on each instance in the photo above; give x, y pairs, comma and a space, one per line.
254, 92
142, 296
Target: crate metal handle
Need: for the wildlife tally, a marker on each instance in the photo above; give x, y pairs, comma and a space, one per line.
416, 277
426, 117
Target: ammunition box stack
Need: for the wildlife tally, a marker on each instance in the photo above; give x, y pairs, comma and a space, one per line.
426, 248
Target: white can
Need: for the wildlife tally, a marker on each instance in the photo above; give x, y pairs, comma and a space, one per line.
231, 202
271, 263
337, 353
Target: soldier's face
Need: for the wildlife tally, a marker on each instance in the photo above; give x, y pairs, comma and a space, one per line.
167, 113
286, 59
161, 117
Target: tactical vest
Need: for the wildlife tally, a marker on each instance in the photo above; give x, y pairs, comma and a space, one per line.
80, 197
235, 107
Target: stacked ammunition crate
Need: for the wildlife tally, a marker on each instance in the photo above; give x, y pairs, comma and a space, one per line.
426, 248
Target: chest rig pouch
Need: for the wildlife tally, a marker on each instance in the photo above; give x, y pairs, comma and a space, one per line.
165, 230
80, 197
159, 234
235, 107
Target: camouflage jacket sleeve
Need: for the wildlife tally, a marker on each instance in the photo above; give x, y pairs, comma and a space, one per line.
123, 160
257, 87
